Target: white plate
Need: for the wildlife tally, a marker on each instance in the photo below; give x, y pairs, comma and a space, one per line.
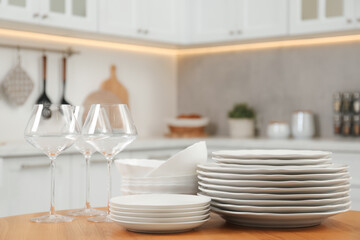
264, 196
160, 201
159, 210
338, 188
260, 183
273, 209
161, 214
275, 220
275, 162
160, 228
269, 202
272, 154
160, 220
311, 176
232, 168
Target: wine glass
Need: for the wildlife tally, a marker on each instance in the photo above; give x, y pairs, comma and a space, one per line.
52, 133
87, 150
109, 128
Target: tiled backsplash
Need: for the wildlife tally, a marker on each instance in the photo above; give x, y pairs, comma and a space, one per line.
274, 81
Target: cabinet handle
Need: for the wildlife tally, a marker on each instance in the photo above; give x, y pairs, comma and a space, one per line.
45, 16
35, 15
146, 31
358, 19
349, 21
98, 161
239, 32
139, 30
231, 32
32, 166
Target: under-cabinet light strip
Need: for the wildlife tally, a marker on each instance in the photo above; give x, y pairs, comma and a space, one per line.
189, 51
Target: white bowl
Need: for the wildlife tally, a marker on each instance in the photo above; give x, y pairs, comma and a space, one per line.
188, 122
136, 167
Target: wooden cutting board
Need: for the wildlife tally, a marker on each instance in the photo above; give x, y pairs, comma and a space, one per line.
114, 86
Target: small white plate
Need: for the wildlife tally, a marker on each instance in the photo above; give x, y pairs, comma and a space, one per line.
160, 201
275, 220
161, 214
159, 210
311, 176
272, 154
260, 183
264, 196
160, 220
282, 209
269, 202
232, 168
275, 162
284, 190
160, 228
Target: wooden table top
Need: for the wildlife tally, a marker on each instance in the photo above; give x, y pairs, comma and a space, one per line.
343, 226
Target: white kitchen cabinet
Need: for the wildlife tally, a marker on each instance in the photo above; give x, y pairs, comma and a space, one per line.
316, 16
98, 180
357, 13
69, 14
72, 14
20, 10
144, 19
26, 185
230, 20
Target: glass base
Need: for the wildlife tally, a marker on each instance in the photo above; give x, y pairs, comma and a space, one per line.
52, 218
100, 219
87, 212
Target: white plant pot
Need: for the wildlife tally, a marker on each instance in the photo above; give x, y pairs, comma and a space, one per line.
242, 127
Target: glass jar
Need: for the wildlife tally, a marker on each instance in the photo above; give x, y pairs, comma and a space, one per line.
356, 103
346, 127
337, 123
346, 102
337, 101
356, 125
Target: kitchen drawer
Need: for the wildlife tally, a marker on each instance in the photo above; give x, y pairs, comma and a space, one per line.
26, 185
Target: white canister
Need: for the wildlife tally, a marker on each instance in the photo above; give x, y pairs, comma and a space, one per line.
241, 127
303, 125
278, 130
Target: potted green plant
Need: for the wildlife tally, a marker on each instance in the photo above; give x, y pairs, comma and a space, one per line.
241, 121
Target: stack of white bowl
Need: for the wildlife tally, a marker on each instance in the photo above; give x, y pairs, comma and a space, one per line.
275, 188
133, 181
160, 213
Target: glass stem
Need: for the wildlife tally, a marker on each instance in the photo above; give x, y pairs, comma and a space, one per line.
52, 187
87, 182
109, 161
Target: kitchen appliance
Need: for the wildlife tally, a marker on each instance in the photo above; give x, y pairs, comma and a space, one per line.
63, 100
278, 130
303, 124
44, 99
113, 85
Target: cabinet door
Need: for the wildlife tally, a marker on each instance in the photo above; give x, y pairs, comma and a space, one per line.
312, 16
357, 13
19, 10
160, 20
26, 185
215, 20
71, 14
118, 17
263, 18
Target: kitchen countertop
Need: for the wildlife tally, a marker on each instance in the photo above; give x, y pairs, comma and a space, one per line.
342, 226
350, 145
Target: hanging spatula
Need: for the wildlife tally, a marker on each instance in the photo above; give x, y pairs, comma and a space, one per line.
63, 100
44, 99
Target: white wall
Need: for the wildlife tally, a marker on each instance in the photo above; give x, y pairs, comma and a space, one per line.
150, 80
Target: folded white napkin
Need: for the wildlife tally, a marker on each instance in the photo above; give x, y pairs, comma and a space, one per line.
182, 163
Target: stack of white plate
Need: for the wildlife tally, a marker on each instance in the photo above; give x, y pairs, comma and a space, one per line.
275, 188
160, 213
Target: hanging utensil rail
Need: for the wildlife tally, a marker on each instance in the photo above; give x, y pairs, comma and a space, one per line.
68, 51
